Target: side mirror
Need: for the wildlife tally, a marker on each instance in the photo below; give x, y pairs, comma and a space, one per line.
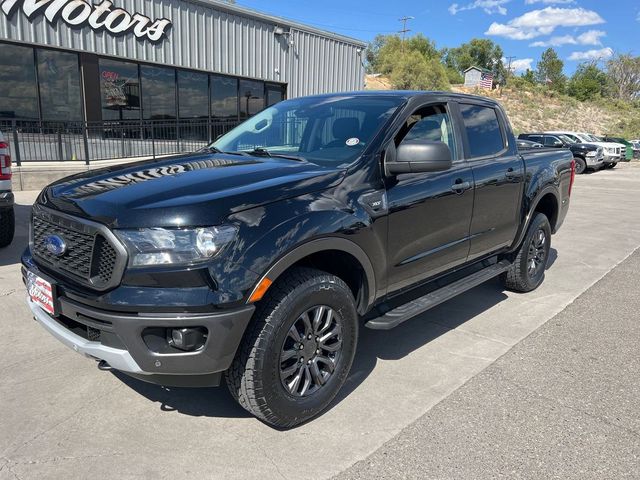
420, 156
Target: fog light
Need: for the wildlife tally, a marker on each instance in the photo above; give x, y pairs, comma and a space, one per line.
187, 339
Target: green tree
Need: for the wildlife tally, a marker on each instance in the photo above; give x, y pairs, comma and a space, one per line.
385, 50
529, 76
412, 71
587, 83
624, 74
549, 70
479, 52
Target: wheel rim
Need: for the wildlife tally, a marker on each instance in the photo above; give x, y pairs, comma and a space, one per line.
537, 255
311, 351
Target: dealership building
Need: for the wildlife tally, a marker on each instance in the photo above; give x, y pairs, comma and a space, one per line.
96, 61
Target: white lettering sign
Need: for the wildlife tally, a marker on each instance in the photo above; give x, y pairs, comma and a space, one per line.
78, 13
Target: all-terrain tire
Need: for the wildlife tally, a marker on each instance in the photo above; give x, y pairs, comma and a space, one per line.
581, 165
7, 226
519, 277
254, 378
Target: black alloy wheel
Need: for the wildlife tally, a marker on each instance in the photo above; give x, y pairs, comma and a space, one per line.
311, 351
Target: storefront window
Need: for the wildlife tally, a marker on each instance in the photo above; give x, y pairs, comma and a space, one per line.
251, 97
59, 81
158, 93
275, 94
193, 94
18, 92
120, 90
224, 97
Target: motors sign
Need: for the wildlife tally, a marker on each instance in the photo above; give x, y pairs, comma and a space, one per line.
102, 16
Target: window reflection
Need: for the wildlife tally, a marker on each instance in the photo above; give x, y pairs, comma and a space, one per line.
275, 94
59, 80
158, 93
120, 90
224, 97
18, 92
251, 97
193, 94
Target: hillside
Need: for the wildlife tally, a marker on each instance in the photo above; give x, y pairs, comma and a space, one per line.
538, 109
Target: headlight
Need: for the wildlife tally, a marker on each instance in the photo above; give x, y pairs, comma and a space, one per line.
592, 154
163, 246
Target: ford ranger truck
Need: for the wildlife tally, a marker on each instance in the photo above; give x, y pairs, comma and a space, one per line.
257, 260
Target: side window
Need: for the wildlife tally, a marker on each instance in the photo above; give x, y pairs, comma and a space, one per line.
535, 138
432, 124
550, 141
483, 130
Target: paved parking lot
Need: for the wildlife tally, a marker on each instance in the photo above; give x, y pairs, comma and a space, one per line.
62, 418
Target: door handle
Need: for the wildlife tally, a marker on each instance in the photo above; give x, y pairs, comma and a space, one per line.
460, 187
511, 173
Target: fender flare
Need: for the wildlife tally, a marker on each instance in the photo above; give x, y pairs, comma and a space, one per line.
321, 245
534, 204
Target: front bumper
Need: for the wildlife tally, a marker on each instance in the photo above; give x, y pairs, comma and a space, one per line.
611, 159
595, 162
6, 199
124, 342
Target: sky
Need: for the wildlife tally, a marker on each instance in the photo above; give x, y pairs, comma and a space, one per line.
579, 30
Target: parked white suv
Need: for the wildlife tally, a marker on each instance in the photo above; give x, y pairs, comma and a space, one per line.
613, 152
7, 215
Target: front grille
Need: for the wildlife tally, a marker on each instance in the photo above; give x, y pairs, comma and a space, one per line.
77, 260
90, 258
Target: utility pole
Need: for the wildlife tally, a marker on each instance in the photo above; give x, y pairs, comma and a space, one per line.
404, 30
510, 59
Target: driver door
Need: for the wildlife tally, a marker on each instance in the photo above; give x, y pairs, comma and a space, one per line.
429, 213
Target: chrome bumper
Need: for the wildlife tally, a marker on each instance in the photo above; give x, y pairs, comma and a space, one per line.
118, 359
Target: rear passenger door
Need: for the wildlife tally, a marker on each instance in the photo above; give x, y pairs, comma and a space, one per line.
498, 172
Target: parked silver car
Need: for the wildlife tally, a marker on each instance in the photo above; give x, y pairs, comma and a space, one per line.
7, 215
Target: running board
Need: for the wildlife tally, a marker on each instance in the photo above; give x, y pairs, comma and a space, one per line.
401, 314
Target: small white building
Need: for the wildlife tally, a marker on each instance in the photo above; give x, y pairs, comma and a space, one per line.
478, 77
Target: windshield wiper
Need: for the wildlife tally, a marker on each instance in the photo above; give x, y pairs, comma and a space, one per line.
263, 152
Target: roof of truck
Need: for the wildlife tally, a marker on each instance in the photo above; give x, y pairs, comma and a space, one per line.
406, 94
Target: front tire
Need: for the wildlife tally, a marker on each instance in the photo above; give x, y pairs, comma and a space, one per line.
581, 166
298, 350
526, 273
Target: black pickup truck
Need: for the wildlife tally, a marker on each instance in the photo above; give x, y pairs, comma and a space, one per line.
258, 258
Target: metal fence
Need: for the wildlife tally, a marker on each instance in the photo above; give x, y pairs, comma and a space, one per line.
36, 141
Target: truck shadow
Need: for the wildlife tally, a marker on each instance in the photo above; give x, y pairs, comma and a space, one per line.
373, 345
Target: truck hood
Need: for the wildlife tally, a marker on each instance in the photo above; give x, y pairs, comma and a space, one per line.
188, 190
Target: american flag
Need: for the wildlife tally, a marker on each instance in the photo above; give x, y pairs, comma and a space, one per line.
486, 81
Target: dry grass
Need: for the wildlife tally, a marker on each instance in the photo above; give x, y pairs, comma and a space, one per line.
541, 110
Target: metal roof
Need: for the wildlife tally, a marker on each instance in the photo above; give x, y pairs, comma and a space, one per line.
279, 21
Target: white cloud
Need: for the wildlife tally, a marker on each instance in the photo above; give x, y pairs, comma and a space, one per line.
549, 2
543, 22
489, 6
591, 37
520, 65
596, 54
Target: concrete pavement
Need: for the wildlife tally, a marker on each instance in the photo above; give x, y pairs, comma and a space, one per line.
563, 403
62, 418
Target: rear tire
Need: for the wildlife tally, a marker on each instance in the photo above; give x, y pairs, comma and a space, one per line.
7, 226
526, 273
581, 165
298, 349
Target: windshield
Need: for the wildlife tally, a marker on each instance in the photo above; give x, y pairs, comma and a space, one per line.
566, 139
329, 131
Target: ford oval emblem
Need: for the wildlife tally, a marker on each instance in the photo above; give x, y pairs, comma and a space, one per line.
55, 245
